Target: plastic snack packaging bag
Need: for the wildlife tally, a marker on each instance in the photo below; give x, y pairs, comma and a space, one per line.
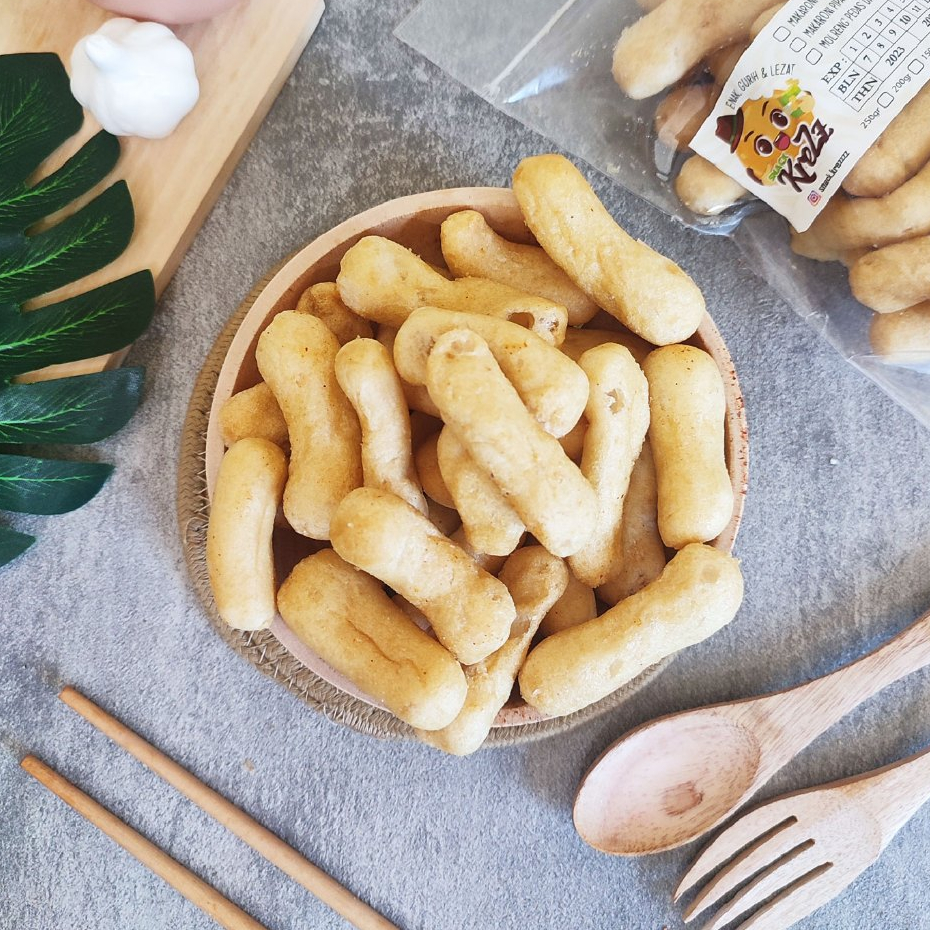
799, 129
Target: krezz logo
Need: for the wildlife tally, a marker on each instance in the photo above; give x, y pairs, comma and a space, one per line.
777, 138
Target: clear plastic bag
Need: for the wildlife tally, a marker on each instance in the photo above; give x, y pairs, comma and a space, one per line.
547, 63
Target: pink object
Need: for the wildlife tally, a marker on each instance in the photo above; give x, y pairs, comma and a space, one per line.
171, 12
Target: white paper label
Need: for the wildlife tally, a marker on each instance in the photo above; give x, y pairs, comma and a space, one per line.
812, 93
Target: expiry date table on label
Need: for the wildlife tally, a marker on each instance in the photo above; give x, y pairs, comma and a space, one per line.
882, 54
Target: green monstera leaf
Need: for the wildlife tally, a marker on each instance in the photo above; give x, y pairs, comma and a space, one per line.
37, 115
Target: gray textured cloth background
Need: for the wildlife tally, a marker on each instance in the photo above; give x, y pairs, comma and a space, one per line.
834, 546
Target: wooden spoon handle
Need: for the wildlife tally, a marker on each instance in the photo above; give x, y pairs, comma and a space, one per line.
800, 715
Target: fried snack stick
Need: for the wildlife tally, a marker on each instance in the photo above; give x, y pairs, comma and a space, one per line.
898, 153
492, 564
704, 189
480, 405
641, 552
296, 356
572, 442
698, 593
491, 525
578, 341
367, 377
893, 278
535, 580
417, 396
471, 248
253, 414
647, 292
552, 386
903, 337
248, 492
382, 281
663, 46
860, 222
469, 610
722, 62
688, 406
346, 618
426, 459
618, 417
576, 605
682, 113
323, 302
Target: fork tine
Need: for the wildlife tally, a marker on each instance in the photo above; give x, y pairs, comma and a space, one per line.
746, 830
794, 903
783, 873
772, 846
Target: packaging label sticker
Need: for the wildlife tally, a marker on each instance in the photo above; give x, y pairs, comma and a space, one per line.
811, 94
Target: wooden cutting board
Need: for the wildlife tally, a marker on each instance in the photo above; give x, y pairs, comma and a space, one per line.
243, 58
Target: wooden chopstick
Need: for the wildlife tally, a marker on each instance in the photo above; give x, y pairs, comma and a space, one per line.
250, 831
197, 891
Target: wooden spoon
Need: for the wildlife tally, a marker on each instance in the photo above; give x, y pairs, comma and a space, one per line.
673, 779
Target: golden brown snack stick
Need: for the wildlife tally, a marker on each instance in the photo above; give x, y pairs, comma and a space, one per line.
698, 593
648, 4
662, 47
762, 20
898, 153
647, 292
492, 564
248, 491
472, 249
868, 222
641, 555
535, 580
543, 485
491, 525
552, 386
618, 417
365, 372
445, 519
323, 302
572, 442
382, 281
721, 62
903, 337
682, 113
893, 278
346, 618
469, 610
578, 341
296, 355
576, 605
416, 394
426, 459
704, 189
686, 431
253, 414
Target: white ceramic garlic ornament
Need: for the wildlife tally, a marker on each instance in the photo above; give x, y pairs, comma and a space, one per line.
138, 79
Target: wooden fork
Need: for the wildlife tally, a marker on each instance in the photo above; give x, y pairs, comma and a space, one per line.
805, 848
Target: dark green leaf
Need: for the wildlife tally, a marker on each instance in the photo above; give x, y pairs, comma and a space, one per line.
83, 408
77, 246
13, 544
102, 320
46, 486
21, 206
37, 112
